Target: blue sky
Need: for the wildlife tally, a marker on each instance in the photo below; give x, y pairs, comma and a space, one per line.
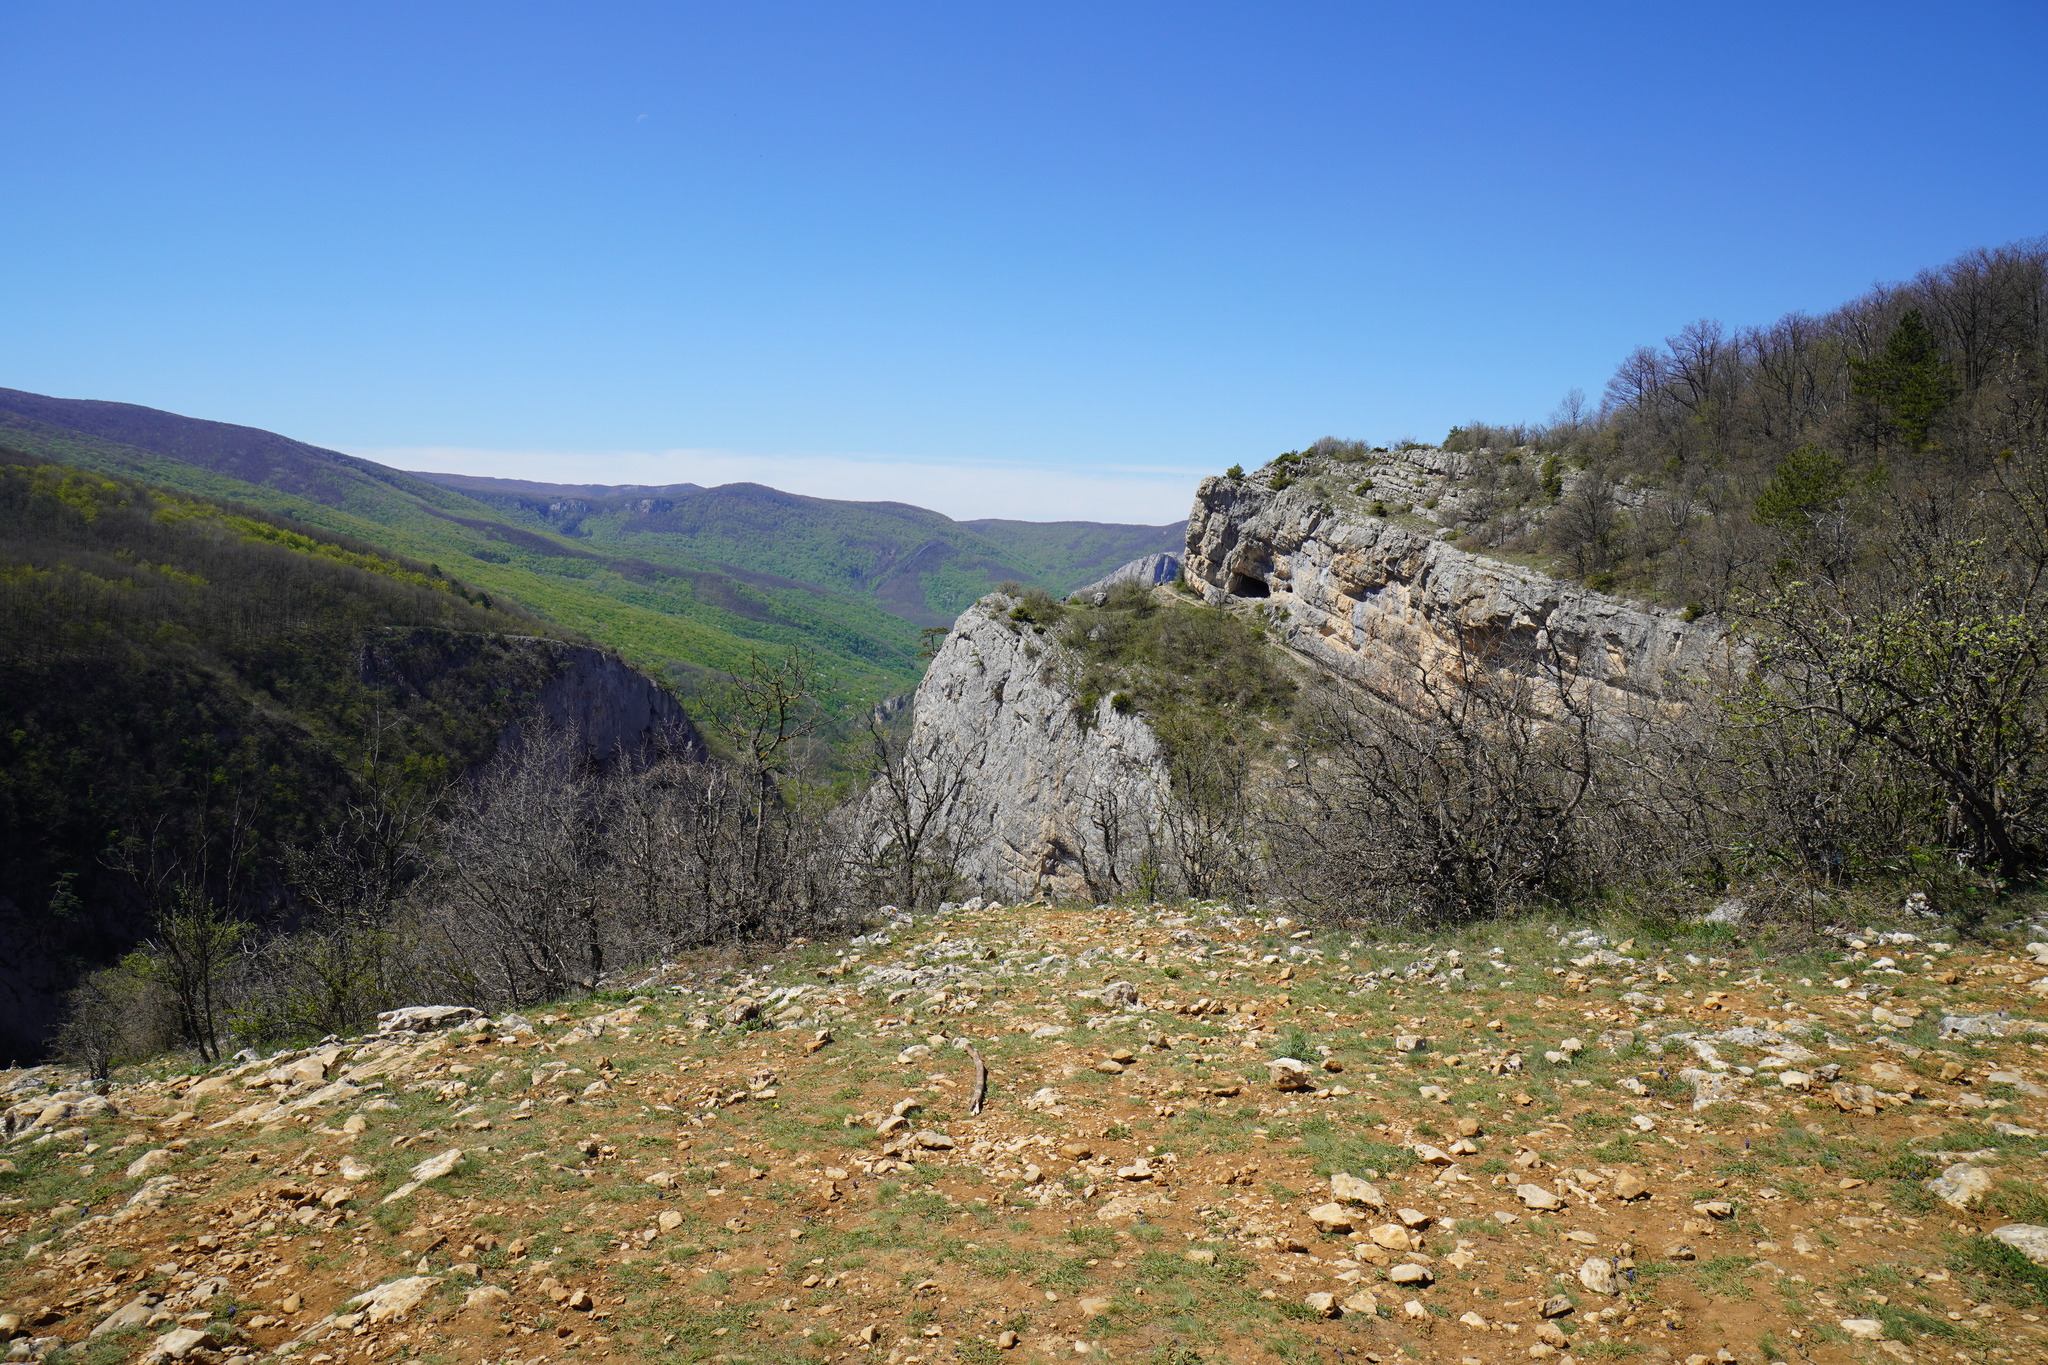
1046, 260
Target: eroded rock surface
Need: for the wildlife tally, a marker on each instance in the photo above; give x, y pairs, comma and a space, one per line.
1373, 601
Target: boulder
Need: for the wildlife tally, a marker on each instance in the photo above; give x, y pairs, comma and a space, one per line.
134, 1313
1410, 1273
1290, 1074
425, 1018
1349, 1189
149, 1163
1536, 1197
388, 1302
180, 1343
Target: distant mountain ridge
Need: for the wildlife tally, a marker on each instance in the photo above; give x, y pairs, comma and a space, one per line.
918, 564
677, 577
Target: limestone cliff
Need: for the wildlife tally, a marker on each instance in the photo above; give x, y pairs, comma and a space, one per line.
1069, 802
1371, 600
1059, 801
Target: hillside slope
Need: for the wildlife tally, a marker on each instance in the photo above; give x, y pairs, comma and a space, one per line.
1209, 1135
918, 564
684, 614
191, 688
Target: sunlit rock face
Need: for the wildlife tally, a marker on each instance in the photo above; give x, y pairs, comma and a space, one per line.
1375, 602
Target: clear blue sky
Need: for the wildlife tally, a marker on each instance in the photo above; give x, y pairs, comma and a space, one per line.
1029, 259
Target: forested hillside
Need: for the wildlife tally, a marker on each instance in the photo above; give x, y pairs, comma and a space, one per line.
192, 690
1715, 458
917, 564
1860, 498
691, 581
684, 615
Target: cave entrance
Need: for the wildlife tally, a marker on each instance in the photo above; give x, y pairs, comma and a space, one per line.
1247, 585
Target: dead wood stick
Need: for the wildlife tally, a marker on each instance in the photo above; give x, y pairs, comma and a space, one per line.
980, 1081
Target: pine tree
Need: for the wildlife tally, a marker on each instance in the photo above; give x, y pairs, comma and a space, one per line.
1807, 482
1908, 381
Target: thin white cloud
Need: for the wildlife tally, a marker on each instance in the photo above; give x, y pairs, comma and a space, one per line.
1149, 495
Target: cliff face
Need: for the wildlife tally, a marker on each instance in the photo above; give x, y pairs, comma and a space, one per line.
1373, 602
618, 710
614, 709
1070, 803
1058, 800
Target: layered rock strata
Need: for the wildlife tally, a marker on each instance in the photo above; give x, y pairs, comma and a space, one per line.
1375, 602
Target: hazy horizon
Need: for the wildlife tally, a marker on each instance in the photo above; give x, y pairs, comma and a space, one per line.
1048, 262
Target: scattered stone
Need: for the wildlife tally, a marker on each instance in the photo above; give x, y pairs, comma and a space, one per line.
433, 1168
1410, 1273
1536, 1197
1961, 1185
1598, 1275
1864, 1329
1333, 1218
2028, 1239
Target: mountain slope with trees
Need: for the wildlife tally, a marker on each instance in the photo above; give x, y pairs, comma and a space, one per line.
192, 689
692, 581
917, 564
686, 617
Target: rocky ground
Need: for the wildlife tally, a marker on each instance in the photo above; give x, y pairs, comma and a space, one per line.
1207, 1136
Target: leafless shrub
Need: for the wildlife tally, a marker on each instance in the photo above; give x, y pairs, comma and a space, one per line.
1470, 793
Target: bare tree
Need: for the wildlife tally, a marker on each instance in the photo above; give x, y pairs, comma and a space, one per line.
1467, 794
917, 816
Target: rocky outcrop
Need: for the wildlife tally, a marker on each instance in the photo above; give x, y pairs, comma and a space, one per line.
617, 709
1069, 801
1059, 801
614, 709
1373, 601
1149, 572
